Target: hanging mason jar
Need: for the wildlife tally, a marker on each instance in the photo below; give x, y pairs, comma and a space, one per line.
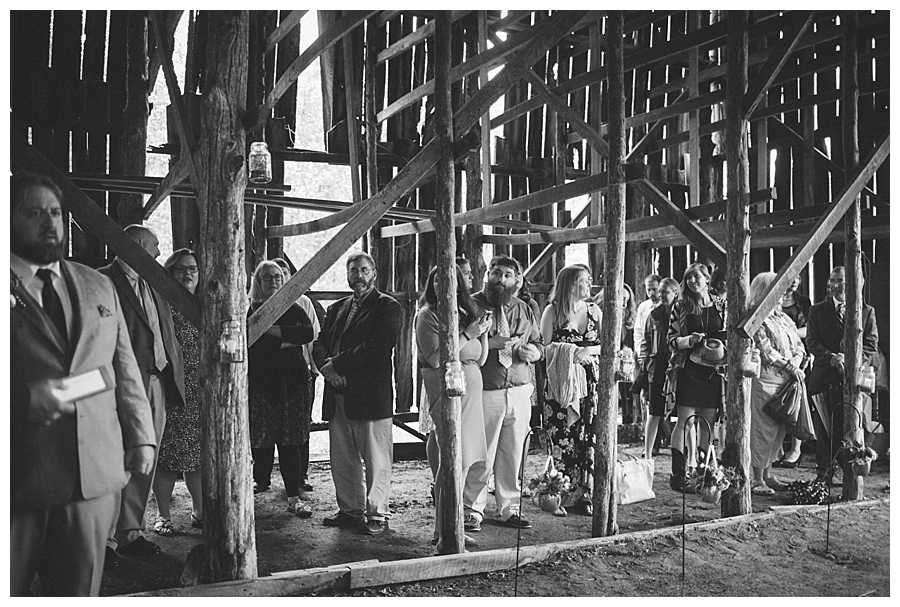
750, 363
866, 379
260, 162
455, 378
231, 342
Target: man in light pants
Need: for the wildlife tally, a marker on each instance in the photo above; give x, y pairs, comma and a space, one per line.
514, 344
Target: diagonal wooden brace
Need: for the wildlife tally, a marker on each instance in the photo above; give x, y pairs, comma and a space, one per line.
694, 233
829, 220
372, 210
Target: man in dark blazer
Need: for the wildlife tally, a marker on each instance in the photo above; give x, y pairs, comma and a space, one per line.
69, 454
159, 357
353, 352
825, 340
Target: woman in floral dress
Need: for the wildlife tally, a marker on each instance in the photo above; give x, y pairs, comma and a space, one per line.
179, 450
571, 318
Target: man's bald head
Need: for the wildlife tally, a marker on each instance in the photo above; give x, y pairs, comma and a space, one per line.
145, 237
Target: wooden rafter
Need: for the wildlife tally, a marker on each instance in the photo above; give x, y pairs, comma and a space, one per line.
333, 34
777, 60
92, 218
535, 200
182, 123
177, 173
372, 210
172, 19
409, 41
694, 233
547, 253
284, 28
802, 254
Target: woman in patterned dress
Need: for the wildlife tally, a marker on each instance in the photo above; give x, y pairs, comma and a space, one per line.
278, 380
781, 355
179, 450
571, 318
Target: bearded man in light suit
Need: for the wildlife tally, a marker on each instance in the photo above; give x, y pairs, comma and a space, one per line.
68, 458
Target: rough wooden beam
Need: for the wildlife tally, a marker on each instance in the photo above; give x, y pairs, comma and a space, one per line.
547, 253
655, 130
284, 28
698, 237
508, 207
92, 218
802, 254
337, 31
370, 573
182, 122
777, 60
172, 19
374, 209
172, 180
407, 42
351, 102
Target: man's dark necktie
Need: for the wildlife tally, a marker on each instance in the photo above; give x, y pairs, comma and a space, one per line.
840, 314
51, 302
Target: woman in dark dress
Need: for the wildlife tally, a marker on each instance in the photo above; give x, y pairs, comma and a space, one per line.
278, 384
571, 318
179, 450
700, 388
654, 357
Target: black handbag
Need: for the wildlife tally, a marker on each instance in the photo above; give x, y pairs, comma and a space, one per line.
784, 407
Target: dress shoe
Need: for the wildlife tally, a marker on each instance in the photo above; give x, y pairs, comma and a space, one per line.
374, 528
516, 522
111, 561
339, 519
783, 463
306, 486
471, 523
139, 547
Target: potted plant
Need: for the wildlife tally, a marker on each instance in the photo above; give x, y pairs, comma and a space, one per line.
860, 457
549, 488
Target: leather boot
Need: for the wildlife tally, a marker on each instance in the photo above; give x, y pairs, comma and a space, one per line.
678, 481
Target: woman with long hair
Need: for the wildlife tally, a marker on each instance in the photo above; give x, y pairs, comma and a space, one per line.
179, 450
696, 339
278, 380
781, 355
654, 355
473, 352
570, 328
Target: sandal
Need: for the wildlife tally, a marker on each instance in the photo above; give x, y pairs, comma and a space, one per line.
196, 523
776, 484
164, 527
300, 509
762, 489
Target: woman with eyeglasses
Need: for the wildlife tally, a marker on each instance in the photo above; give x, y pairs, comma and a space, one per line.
179, 450
278, 380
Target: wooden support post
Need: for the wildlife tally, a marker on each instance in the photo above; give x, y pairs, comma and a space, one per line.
596, 258
854, 485
605, 422
736, 500
228, 533
451, 522
477, 165
350, 99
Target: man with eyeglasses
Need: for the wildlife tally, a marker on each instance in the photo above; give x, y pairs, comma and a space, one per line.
353, 352
159, 356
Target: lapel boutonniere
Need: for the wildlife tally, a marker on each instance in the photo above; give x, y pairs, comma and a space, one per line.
14, 298
104, 311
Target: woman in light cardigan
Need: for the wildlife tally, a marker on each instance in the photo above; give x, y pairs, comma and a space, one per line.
473, 352
781, 355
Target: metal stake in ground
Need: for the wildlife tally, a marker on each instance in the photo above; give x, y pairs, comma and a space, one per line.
683, 492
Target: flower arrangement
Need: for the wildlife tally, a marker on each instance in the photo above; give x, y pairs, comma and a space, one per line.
713, 481
860, 457
551, 482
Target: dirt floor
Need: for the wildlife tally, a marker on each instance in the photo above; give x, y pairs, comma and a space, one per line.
777, 557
